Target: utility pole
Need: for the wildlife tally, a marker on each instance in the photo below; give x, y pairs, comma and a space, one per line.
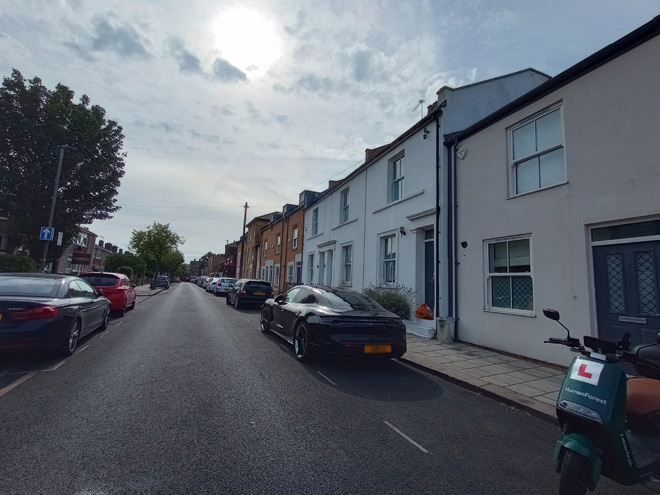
52, 204
243, 243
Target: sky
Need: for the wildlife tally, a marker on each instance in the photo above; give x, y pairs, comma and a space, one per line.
227, 102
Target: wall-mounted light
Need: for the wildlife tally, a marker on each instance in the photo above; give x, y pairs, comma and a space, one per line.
461, 153
426, 133
402, 231
464, 244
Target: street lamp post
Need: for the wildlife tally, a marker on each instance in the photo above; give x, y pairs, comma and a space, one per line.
52, 204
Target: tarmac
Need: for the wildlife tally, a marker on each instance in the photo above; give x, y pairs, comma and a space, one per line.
525, 384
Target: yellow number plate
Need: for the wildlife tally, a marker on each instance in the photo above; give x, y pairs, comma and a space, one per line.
259, 293
0, 316
377, 349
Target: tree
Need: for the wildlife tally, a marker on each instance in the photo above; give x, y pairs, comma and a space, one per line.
35, 123
114, 262
172, 261
156, 243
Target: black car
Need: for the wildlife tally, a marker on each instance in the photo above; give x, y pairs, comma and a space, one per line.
249, 291
40, 311
333, 321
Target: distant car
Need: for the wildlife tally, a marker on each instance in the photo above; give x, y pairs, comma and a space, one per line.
334, 321
117, 287
160, 281
210, 284
44, 312
223, 286
249, 291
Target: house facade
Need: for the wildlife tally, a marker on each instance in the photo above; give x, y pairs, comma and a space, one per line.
250, 249
557, 207
383, 224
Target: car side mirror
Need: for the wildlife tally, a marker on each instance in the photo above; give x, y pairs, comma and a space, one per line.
279, 299
133, 285
99, 292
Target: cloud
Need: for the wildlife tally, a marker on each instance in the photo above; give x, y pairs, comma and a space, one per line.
225, 110
188, 63
225, 72
124, 40
282, 119
362, 65
254, 113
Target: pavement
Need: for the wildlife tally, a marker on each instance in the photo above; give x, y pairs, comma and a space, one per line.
516, 381
513, 380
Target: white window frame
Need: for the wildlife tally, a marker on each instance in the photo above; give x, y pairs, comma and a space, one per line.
395, 177
343, 206
294, 241
315, 221
515, 163
347, 264
290, 272
310, 270
277, 275
387, 260
265, 248
278, 244
490, 275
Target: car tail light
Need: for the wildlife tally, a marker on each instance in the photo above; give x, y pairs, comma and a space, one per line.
38, 313
243, 293
272, 294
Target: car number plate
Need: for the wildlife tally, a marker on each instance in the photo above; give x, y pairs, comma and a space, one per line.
259, 293
0, 316
377, 349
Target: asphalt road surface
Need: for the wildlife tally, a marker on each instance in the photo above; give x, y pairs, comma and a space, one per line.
184, 395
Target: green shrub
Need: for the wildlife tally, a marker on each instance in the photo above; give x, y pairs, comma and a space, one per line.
397, 299
11, 263
126, 270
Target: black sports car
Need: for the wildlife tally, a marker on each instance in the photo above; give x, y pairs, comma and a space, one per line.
40, 311
334, 321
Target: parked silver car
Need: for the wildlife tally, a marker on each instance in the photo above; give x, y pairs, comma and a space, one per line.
223, 286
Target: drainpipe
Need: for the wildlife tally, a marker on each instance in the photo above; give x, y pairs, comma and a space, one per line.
437, 216
451, 236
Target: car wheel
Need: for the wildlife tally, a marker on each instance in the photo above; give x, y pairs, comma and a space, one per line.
264, 323
122, 311
71, 342
132, 306
236, 302
302, 348
227, 301
104, 325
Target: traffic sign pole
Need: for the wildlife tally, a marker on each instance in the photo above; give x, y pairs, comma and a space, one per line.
52, 204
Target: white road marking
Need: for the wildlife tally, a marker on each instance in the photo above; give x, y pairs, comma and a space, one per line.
406, 437
11, 387
333, 383
117, 324
284, 347
53, 368
83, 348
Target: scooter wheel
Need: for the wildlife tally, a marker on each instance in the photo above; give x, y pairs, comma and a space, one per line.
574, 475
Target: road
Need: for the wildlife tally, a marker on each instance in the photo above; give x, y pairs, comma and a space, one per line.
184, 395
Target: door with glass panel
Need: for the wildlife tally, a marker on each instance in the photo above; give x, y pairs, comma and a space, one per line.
626, 278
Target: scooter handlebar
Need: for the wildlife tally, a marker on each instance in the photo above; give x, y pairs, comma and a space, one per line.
555, 340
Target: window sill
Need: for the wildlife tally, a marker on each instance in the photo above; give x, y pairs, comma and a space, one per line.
393, 203
538, 190
344, 223
514, 312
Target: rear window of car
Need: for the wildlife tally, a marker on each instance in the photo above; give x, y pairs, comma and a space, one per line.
228, 281
344, 300
100, 280
258, 286
25, 286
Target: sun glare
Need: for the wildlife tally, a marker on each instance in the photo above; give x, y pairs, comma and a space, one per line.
247, 39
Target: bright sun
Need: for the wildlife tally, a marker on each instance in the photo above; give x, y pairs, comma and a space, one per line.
247, 39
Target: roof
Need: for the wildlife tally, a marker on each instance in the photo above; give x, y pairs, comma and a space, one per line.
637, 37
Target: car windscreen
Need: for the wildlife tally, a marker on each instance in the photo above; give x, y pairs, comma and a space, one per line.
228, 281
344, 300
100, 280
258, 286
26, 286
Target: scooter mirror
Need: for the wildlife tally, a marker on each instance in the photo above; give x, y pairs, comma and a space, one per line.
658, 339
554, 314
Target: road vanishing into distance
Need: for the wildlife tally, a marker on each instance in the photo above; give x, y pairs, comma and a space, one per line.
185, 395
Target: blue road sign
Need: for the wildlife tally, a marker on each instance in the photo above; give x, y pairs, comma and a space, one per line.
47, 233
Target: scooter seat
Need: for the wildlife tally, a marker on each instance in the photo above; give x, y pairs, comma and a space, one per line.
643, 397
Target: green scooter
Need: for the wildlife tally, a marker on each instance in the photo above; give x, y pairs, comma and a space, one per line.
610, 422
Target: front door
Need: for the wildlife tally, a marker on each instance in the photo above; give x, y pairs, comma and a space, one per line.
429, 256
626, 277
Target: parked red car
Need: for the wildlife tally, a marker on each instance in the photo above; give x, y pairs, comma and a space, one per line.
117, 287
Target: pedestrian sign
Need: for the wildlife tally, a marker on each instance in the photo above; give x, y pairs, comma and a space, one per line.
47, 233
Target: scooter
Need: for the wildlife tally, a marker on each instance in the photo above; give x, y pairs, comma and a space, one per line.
610, 422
